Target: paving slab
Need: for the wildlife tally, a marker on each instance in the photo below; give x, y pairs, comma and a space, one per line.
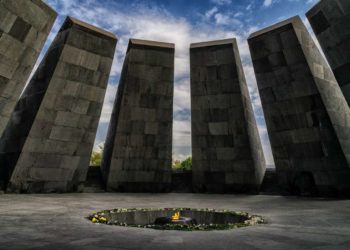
57, 221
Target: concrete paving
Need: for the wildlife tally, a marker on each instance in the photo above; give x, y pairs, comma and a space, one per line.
56, 221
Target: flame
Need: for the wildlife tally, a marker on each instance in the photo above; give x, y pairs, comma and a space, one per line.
176, 216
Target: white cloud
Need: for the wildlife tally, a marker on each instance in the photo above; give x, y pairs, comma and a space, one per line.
307, 2
311, 1
108, 103
267, 3
238, 14
182, 97
222, 19
182, 130
211, 12
221, 2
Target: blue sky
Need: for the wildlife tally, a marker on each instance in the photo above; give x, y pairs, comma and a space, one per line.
181, 22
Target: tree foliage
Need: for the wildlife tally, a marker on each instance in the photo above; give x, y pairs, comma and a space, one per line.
185, 165
96, 156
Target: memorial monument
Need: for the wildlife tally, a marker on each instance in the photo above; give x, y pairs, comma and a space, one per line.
47, 144
226, 149
138, 149
306, 113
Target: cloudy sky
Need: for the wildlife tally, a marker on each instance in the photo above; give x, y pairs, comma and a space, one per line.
181, 22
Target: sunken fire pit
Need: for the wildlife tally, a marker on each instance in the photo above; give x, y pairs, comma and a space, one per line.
177, 219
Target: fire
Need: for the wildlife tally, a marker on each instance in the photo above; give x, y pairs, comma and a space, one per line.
176, 216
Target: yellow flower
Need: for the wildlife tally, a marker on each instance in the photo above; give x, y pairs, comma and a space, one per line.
94, 220
103, 219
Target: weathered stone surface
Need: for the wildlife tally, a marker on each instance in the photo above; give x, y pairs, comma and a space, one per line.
307, 116
296, 223
226, 147
330, 20
24, 27
47, 144
137, 155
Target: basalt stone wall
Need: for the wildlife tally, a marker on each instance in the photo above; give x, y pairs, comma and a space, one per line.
47, 144
330, 20
138, 149
24, 27
226, 148
307, 116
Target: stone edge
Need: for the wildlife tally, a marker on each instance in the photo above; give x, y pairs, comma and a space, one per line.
141, 42
91, 27
213, 43
315, 9
43, 4
291, 20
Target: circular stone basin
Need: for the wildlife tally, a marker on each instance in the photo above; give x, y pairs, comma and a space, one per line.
161, 221
189, 220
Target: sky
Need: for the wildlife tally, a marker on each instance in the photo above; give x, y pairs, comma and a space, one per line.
181, 22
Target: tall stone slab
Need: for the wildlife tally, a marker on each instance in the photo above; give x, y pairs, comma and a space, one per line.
138, 150
330, 20
307, 116
226, 150
47, 144
24, 28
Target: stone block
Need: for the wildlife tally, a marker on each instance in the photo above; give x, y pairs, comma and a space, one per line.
10, 47
218, 128
67, 119
151, 128
80, 57
7, 67
24, 28
7, 19
305, 112
56, 118
138, 149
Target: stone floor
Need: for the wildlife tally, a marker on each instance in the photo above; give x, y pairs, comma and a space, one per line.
57, 222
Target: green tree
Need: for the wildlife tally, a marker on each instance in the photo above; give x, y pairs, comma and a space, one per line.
186, 164
96, 156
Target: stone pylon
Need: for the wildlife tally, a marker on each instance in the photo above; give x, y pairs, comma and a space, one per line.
138, 149
24, 28
47, 144
226, 148
330, 20
307, 116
